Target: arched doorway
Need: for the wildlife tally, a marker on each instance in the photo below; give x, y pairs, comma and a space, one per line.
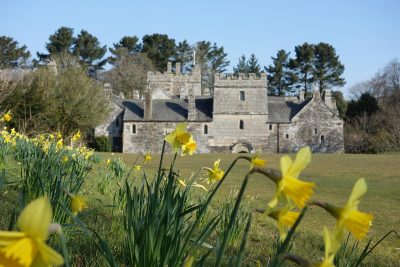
242, 147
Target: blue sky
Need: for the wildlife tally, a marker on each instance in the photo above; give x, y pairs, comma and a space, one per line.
364, 33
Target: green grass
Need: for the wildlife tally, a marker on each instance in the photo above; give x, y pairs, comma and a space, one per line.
334, 175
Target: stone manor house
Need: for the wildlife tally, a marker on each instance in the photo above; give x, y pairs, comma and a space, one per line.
238, 117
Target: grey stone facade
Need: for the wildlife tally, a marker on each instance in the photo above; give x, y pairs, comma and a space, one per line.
238, 117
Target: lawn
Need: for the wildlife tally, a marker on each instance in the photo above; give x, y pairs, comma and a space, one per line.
334, 175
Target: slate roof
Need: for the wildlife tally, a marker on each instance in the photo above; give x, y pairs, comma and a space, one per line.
176, 109
167, 109
280, 111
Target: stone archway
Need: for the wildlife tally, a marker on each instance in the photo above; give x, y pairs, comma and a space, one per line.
242, 147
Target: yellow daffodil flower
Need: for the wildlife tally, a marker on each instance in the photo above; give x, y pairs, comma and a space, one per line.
65, 159
77, 204
137, 167
178, 137
59, 135
147, 157
108, 162
289, 185
189, 147
215, 174
28, 247
76, 137
357, 222
331, 247
257, 162
286, 220
181, 182
6, 117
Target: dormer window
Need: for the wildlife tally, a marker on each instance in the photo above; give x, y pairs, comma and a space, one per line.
242, 96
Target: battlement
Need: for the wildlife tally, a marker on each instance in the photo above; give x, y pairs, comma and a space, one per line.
240, 76
240, 80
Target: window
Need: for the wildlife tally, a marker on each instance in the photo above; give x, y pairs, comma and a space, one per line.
315, 130
270, 127
241, 124
322, 139
133, 128
242, 96
205, 129
287, 136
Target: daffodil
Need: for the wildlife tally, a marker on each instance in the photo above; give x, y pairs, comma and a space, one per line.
289, 185
76, 137
178, 137
6, 117
78, 203
215, 174
257, 162
181, 182
357, 222
189, 147
147, 157
65, 159
137, 167
331, 247
28, 247
108, 162
286, 219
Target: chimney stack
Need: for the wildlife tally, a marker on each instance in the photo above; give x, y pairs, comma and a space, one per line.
148, 105
316, 93
301, 95
327, 98
169, 67
135, 94
191, 105
178, 68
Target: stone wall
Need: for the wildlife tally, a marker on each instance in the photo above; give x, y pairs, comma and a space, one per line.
175, 83
149, 136
315, 125
112, 126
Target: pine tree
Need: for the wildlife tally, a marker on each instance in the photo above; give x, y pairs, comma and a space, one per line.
328, 69
60, 42
303, 66
252, 65
11, 55
128, 45
159, 49
279, 75
241, 67
184, 54
87, 48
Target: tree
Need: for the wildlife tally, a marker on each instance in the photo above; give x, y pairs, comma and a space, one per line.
211, 59
87, 48
11, 55
241, 67
128, 45
366, 104
252, 65
66, 100
59, 42
159, 49
328, 69
184, 54
130, 74
341, 103
303, 66
279, 75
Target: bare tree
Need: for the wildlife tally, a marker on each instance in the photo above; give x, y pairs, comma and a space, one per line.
130, 74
